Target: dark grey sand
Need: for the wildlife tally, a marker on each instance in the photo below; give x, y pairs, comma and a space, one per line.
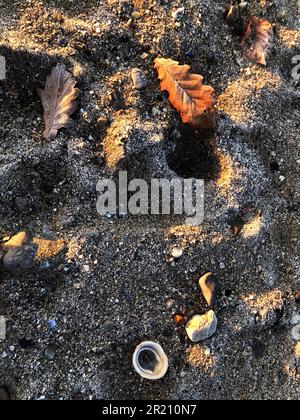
113, 286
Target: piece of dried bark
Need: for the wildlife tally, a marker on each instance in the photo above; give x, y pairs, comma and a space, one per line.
188, 95
258, 40
58, 99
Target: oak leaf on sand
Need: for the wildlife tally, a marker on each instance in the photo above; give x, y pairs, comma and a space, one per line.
258, 40
58, 100
187, 93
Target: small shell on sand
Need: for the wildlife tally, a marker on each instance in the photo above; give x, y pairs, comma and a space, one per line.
208, 285
150, 360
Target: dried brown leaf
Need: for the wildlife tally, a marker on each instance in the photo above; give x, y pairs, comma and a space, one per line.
258, 40
188, 95
58, 99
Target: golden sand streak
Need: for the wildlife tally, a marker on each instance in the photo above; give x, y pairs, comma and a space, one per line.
48, 249
252, 228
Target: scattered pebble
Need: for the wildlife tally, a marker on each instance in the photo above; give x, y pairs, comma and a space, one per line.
139, 79
3, 395
297, 351
2, 328
108, 326
297, 298
295, 320
155, 112
208, 285
51, 324
62, 42
19, 253
296, 333
51, 351
211, 56
170, 302
202, 327
176, 252
222, 266
178, 14
190, 54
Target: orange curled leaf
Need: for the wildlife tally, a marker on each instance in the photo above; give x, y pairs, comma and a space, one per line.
58, 99
258, 40
188, 95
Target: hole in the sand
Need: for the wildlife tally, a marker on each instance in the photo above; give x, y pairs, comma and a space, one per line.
194, 154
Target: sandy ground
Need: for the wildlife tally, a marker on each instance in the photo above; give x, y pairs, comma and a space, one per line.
113, 285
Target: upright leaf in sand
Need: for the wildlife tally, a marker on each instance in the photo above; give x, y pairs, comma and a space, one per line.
58, 99
188, 95
258, 40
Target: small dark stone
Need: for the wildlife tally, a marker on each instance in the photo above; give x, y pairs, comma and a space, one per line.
190, 54
3, 395
108, 326
69, 222
51, 351
20, 259
211, 56
77, 396
274, 166
26, 344
62, 42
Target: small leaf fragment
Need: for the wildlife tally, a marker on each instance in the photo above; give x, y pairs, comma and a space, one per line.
178, 319
58, 100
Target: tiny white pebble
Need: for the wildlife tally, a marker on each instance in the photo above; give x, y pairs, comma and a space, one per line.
295, 320
296, 333
177, 252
